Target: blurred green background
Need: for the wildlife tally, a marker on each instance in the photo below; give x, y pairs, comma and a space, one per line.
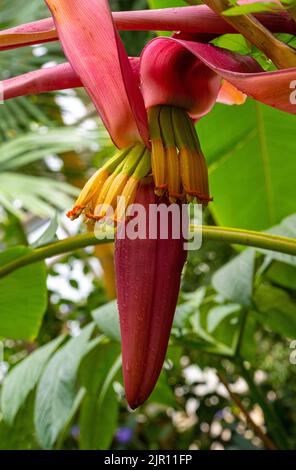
229, 376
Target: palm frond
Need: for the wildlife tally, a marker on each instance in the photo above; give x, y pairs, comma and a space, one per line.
29, 147
18, 11
37, 195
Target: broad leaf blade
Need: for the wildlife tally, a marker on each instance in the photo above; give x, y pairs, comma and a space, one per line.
234, 281
23, 299
23, 379
252, 164
56, 390
107, 319
49, 234
276, 310
99, 411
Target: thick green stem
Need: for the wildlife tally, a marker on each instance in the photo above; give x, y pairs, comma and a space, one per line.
53, 249
249, 238
280, 53
222, 234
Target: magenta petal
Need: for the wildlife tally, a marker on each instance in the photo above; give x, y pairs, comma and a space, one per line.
92, 46
195, 19
131, 81
172, 75
59, 77
272, 88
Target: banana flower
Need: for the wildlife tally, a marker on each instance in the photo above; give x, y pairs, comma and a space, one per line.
149, 106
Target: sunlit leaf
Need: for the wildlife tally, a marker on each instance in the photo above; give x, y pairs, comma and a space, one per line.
166, 3
255, 7
37, 195
49, 234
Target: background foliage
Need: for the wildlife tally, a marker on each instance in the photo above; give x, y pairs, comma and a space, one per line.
236, 318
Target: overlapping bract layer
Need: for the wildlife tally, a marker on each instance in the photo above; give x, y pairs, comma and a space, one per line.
148, 273
95, 52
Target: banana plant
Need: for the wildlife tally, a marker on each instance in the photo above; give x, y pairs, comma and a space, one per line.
148, 105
